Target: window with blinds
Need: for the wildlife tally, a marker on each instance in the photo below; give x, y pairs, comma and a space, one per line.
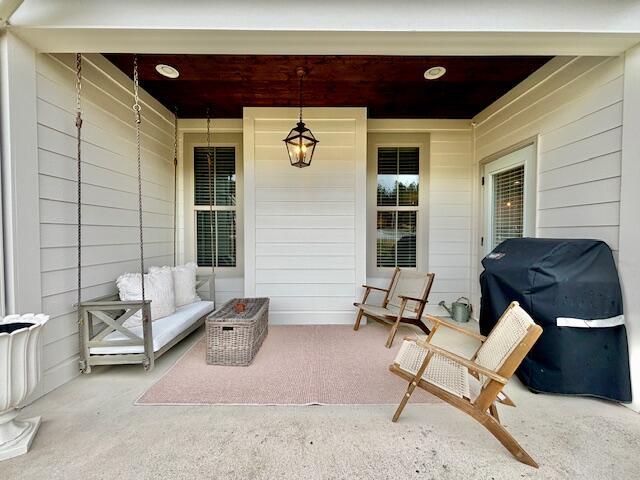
397, 206
223, 176
216, 231
508, 204
224, 238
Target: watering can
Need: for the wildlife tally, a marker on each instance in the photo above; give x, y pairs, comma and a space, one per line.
460, 311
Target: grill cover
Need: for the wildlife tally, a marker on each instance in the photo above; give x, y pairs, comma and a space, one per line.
575, 279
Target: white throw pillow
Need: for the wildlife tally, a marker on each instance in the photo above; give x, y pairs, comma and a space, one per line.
158, 287
184, 282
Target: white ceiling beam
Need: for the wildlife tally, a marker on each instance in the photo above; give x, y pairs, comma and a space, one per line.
401, 27
116, 40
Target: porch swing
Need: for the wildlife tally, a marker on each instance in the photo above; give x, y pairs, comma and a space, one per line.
105, 336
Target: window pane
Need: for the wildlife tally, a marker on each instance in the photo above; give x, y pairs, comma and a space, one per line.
200, 176
387, 176
406, 246
398, 176
224, 235
408, 166
223, 176
396, 239
203, 238
508, 204
386, 239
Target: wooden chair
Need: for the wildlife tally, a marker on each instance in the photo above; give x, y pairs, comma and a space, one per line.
447, 375
404, 301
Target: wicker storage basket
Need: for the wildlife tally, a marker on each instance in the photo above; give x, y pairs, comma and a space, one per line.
235, 338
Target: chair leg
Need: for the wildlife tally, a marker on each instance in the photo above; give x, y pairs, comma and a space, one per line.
505, 438
392, 333
395, 326
405, 400
493, 409
505, 400
412, 386
356, 325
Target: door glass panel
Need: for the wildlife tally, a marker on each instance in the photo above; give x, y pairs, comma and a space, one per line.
508, 205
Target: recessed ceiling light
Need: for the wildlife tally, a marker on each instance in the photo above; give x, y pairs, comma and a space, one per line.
434, 72
167, 71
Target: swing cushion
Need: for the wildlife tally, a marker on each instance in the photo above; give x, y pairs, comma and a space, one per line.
158, 288
184, 282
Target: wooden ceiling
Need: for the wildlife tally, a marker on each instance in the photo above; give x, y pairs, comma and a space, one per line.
389, 86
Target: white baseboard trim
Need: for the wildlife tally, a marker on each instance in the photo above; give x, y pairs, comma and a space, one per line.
312, 318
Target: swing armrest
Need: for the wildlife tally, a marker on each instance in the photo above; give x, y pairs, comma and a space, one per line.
97, 311
105, 298
471, 366
111, 304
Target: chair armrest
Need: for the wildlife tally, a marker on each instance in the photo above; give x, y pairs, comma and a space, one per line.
438, 321
471, 366
405, 297
376, 288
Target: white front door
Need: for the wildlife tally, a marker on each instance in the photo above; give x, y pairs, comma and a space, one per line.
509, 197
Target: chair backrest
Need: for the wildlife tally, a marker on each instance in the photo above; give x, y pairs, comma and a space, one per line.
509, 342
412, 284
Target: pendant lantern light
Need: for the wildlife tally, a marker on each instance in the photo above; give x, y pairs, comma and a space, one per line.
300, 142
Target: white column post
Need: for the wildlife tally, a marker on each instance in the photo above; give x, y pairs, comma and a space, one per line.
629, 255
20, 197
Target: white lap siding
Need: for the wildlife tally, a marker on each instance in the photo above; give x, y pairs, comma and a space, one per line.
575, 106
110, 218
450, 209
444, 245
304, 231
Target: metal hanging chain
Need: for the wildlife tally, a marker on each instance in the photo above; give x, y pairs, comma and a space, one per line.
138, 119
211, 229
79, 174
301, 75
175, 182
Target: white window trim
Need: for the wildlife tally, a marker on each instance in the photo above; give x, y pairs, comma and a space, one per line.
191, 209
422, 219
500, 162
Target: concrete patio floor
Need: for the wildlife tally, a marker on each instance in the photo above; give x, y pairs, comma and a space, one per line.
92, 430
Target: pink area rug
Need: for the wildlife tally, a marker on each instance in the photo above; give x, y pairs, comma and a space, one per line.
297, 365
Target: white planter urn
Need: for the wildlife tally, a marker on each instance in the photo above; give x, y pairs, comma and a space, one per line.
19, 375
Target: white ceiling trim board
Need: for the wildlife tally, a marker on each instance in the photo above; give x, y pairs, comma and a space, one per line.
199, 41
